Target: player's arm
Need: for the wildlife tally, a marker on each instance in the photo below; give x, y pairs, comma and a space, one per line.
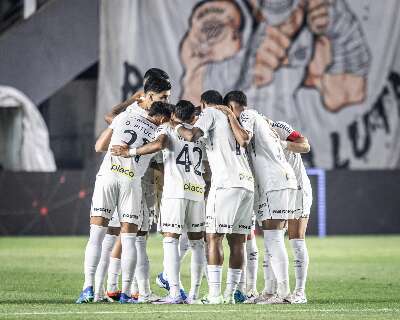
299, 145
116, 110
242, 136
153, 147
103, 141
190, 135
207, 177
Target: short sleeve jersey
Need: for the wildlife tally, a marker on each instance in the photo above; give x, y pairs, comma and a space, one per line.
286, 132
183, 166
271, 169
228, 160
135, 131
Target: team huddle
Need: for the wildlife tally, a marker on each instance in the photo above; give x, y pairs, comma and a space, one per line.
222, 167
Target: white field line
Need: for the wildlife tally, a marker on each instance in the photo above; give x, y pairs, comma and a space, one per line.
206, 310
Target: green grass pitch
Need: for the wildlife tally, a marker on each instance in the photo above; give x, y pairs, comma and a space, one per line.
349, 278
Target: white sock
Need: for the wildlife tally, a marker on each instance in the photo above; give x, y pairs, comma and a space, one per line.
232, 280
172, 264
142, 267
196, 267
135, 287
93, 253
107, 246
252, 264
128, 261
275, 244
114, 270
214, 280
184, 246
301, 259
242, 282
270, 284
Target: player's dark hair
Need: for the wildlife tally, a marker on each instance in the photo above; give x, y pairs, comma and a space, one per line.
184, 110
155, 73
159, 108
236, 96
211, 97
157, 85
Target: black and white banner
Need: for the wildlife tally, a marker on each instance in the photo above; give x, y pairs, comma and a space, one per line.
330, 68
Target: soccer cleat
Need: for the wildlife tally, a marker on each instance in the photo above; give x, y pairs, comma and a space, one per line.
298, 297
114, 295
251, 294
239, 297
86, 296
229, 300
263, 296
275, 299
135, 296
98, 299
124, 298
148, 299
170, 300
183, 294
193, 300
212, 300
161, 282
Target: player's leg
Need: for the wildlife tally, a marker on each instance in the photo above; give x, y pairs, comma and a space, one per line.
296, 230
129, 209
241, 228
236, 261
103, 204
195, 224
252, 265
172, 223
107, 246
215, 252
274, 215
114, 270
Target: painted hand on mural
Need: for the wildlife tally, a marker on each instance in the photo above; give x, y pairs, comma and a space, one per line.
213, 35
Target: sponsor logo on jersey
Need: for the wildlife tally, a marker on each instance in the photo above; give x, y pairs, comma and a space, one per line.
224, 225
196, 188
245, 176
196, 225
172, 225
281, 125
121, 170
130, 216
101, 210
242, 226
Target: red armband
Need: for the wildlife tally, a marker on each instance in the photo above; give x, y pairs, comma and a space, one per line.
293, 136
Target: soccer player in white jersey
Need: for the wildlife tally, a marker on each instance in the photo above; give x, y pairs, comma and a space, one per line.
139, 103
118, 186
182, 204
230, 201
276, 184
294, 144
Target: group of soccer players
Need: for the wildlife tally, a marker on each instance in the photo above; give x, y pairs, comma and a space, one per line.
223, 166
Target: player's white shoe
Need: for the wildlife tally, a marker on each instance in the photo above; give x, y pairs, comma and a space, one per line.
252, 294
298, 297
213, 300
230, 299
149, 298
275, 299
257, 298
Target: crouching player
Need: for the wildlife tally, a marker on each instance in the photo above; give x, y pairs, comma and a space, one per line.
118, 186
182, 204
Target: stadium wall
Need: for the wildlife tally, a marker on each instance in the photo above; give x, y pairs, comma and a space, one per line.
357, 202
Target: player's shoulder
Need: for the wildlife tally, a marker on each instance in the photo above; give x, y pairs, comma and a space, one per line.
164, 128
248, 114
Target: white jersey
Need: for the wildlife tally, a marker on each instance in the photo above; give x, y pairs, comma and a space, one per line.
285, 131
135, 108
228, 160
271, 169
135, 131
183, 166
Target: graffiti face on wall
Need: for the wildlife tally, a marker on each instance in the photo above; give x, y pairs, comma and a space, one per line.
318, 43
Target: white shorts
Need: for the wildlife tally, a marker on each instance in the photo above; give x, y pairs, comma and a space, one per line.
177, 215
278, 204
303, 204
123, 195
147, 220
229, 211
